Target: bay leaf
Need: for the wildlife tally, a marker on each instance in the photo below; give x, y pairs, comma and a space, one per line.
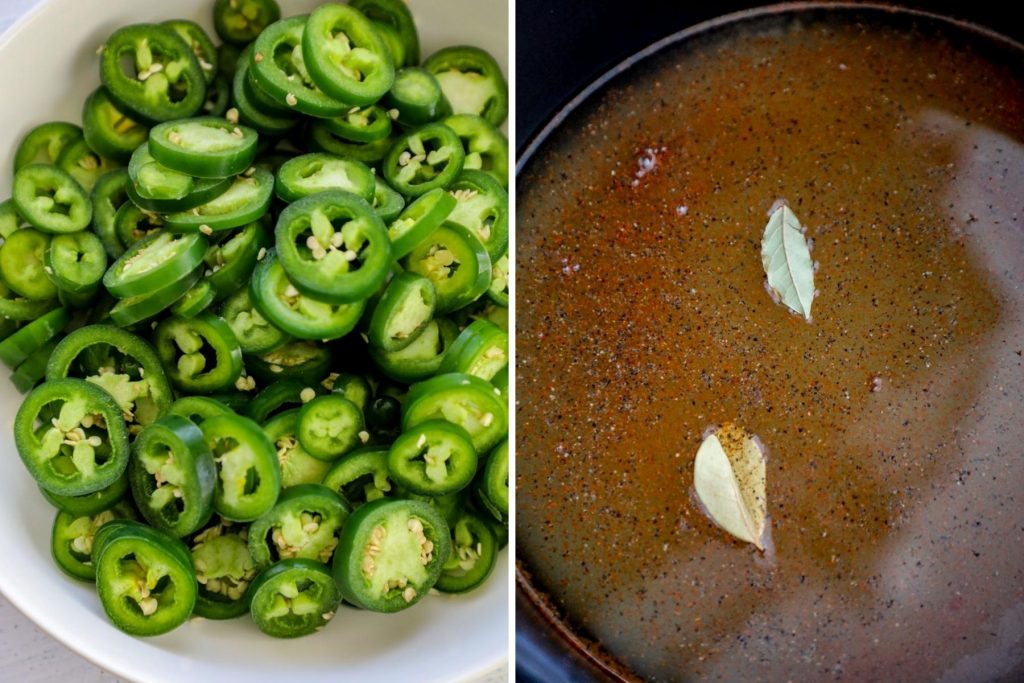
787, 261
729, 479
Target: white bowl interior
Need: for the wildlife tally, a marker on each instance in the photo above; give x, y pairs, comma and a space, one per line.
48, 65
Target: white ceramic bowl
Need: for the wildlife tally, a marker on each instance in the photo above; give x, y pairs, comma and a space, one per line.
48, 65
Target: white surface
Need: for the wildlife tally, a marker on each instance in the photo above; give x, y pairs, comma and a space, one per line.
47, 67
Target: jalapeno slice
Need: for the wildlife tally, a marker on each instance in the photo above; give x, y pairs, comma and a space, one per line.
76, 262
333, 247
240, 21
108, 195
121, 363
426, 158
44, 143
320, 138
481, 350
218, 97
361, 124
10, 221
201, 354
433, 458
456, 262
151, 180
390, 554
172, 475
305, 523
486, 148
472, 81
345, 56
278, 67
463, 400
108, 130
246, 200
50, 199
154, 261
482, 208
293, 598
353, 387
82, 448
164, 81
403, 312
299, 360
200, 44
91, 503
224, 569
16, 307
196, 300
421, 358
492, 483
72, 536
79, 161
144, 578
23, 264
387, 203
361, 476
277, 298
136, 309
474, 554
297, 466
20, 345
248, 476
204, 147
330, 426
416, 97
309, 174
251, 111
497, 292
395, 24
254, 333
229, 264
419, 220
275, 399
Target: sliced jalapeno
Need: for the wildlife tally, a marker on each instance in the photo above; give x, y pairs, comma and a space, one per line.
353, 387
492, 483
304, 523
151, 180
23, 264
419, 220
154, 261
240, 21
421, 358
76, 262
456, 262
173, 476
133, 224
251, 111
144, 578
481, 349
109, 131
72, 537
333, 247
472, 81
108, 195
248, 476
361, 124
23, 343
345, 56
427, 158
433, 458
497, 292
91, 503
387, 203
293, 598
482, 208
403, 312
254, 333
245, 201
308, 174
198, 408
224, 569
299, 360
274, 399
44, 143
201, 354
361, 476
474, 554
79, 161
204, 147
82, 448
16, 307
200, 44
50, 199
165, 81
297, 466
136, 309
229, 264
395, 24
32, 370
463, 400
320, 138
390, 554
9, 219
279, 301
416, 97
195, 301
486, 148
330, 426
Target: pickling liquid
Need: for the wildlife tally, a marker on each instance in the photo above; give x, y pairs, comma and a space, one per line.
893, 421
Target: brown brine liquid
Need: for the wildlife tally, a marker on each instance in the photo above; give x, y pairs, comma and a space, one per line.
893, 421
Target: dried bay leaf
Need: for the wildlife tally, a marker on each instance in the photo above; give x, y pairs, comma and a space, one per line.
787, 261
729, 479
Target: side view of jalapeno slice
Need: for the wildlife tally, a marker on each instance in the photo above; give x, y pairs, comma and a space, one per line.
155, 261
246, 200
51, 200
248, 476
419, 220
395, 24
20, 345
108, 130
361, 124
91, 503
304, 523
82, 448
492, 486
204, 147
420, 359
293, 598
391, 552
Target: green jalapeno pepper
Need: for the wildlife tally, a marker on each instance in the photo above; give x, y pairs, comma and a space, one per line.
166, 82
474, 554
196, 300
144, 578
248, 475
395, 24
387, 203
108, 195
419, 220
200, 44
361, 476
361, 124
136, 309
463, 400
402, 313
305, 523
241, 21
300, 360
23, 343
246, 200
492, 483
330, 426
293, 598
198, 408
297, 466
203, 190
72, 536
155, 261
274, 399
254, 333
416, 97
482, 208
390, 554
497, 292
44, 143
422, 357
333, 247
15, 307
10, 221
78, 160
121, 363
108, 130
308, 174
429, 157
204, 147
173, 476
456, 262
76, 262
251, 110
353, 387
201, 354
481, 349
153, 181
229, 264
433, 458
320, 138
23, 264
224, 569
486, 148
472, 81
91, 503
345, 56
50, 199
82, 448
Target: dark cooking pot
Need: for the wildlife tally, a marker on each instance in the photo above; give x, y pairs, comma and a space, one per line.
564, 46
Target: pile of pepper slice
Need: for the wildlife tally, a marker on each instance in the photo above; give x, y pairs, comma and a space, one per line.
258, 303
